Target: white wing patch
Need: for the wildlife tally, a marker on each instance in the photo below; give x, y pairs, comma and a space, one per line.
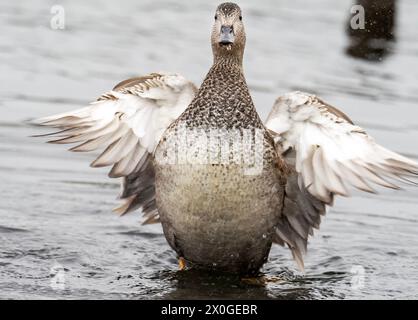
331, 152
128, 123
326, 154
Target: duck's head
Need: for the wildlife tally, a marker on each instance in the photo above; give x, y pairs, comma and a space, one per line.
228, 34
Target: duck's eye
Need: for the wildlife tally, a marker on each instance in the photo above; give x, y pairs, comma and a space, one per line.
216, 17
240, 17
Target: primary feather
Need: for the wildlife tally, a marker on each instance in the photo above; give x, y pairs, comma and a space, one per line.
327, 154
127, 122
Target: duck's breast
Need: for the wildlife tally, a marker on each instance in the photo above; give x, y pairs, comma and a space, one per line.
218, 212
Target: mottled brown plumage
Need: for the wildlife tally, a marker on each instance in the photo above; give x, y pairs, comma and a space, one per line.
214, 215
175, 148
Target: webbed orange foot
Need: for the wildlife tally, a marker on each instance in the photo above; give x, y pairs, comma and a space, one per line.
182, 264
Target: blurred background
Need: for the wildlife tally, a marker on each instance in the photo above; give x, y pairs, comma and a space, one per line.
58, 236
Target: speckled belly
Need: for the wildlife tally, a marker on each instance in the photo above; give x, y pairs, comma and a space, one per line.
217, 216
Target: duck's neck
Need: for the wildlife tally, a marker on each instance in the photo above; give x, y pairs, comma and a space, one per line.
228, 60
226, 67
223, 99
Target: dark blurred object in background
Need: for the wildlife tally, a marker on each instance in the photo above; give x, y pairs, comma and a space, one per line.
375, 41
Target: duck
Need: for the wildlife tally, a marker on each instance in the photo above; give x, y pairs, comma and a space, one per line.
225, 185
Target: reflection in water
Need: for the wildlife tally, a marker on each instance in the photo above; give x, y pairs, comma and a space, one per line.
373, 42
198, 284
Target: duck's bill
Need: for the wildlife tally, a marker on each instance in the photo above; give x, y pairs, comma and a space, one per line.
227, 36
225, 43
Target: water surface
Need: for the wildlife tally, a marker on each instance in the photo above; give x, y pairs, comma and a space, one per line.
55, 211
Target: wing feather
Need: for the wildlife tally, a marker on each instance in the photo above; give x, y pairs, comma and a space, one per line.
127, 124
326, 153
332, 152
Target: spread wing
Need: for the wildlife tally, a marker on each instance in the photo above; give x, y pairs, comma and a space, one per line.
328, 155
127, 124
